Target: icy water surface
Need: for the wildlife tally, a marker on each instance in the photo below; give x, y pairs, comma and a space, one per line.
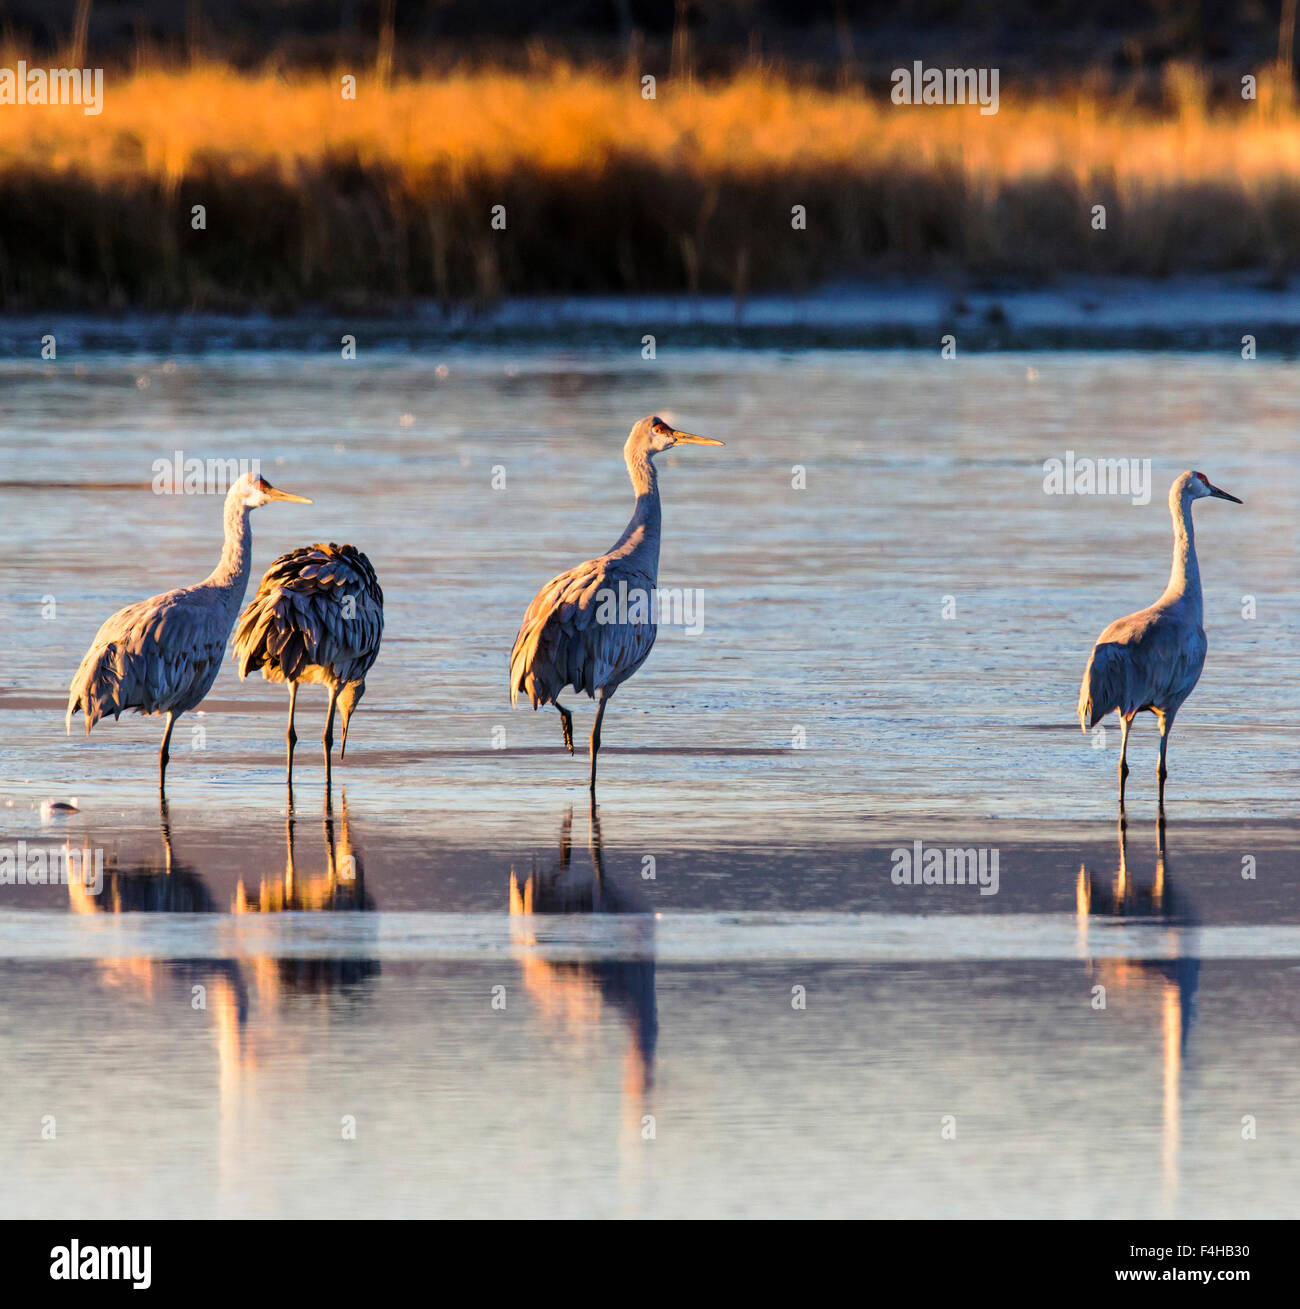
713, 998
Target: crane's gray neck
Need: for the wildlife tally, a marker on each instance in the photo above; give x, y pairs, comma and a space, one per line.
1185, 575
231, 573
640, 539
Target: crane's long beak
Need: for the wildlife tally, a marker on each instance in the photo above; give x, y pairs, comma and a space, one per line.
689, 438
277, 494
1222, 495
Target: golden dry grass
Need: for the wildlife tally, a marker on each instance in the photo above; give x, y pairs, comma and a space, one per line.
159, 122
387, 196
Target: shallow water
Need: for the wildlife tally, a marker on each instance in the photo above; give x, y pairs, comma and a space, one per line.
827, 715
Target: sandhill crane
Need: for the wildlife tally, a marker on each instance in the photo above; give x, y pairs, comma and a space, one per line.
161, 655
1153, 658
566, 638
318, 616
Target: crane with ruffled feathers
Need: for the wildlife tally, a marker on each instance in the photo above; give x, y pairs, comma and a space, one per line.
565, 639
162, 655
1152, 659
318, 616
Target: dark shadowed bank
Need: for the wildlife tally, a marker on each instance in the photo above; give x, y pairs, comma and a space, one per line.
1072, 313
351, 238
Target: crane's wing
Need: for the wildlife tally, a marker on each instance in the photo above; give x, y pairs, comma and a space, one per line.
158, 655
1147, 658
572, 634
320, 605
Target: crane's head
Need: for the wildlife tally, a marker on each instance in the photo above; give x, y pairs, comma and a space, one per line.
652, 435
1196, 486
348, 698
253, 490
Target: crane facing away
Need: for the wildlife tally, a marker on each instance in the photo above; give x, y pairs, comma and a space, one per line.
563, 640
161, 655
318, 616
1153, 658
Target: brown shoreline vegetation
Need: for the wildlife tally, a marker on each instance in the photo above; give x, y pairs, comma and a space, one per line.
313, 200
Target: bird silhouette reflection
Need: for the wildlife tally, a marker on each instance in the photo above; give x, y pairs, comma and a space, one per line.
573, 993
167, 886
1172, 983
341, 887
1124, 894
173, 886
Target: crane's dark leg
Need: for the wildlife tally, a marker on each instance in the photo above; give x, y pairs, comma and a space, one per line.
291, 737
566, 838
328, 739
1124, 725
165, 823
1121, 893
164, 754
1166, 722
597, 849
567, 719
1158, 891
289, 874
595, 739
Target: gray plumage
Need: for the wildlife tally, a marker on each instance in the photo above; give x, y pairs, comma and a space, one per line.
318, 616
1152, 659
162, 655
592, 627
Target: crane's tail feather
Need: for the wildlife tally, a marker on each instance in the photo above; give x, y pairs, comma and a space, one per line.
1100, 690
250, 638
523, 674
266, 637
96, 689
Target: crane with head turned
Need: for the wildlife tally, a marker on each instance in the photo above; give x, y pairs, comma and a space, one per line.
161, 655
1152, 659
318, 616
566, 638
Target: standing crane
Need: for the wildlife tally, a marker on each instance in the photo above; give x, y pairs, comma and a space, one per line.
565, 638
161, 655
1153, 658
318, 616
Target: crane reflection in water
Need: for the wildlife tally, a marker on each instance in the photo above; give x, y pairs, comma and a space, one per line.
254, 1003
573, 993
1173, 982
230, 985
342, 887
